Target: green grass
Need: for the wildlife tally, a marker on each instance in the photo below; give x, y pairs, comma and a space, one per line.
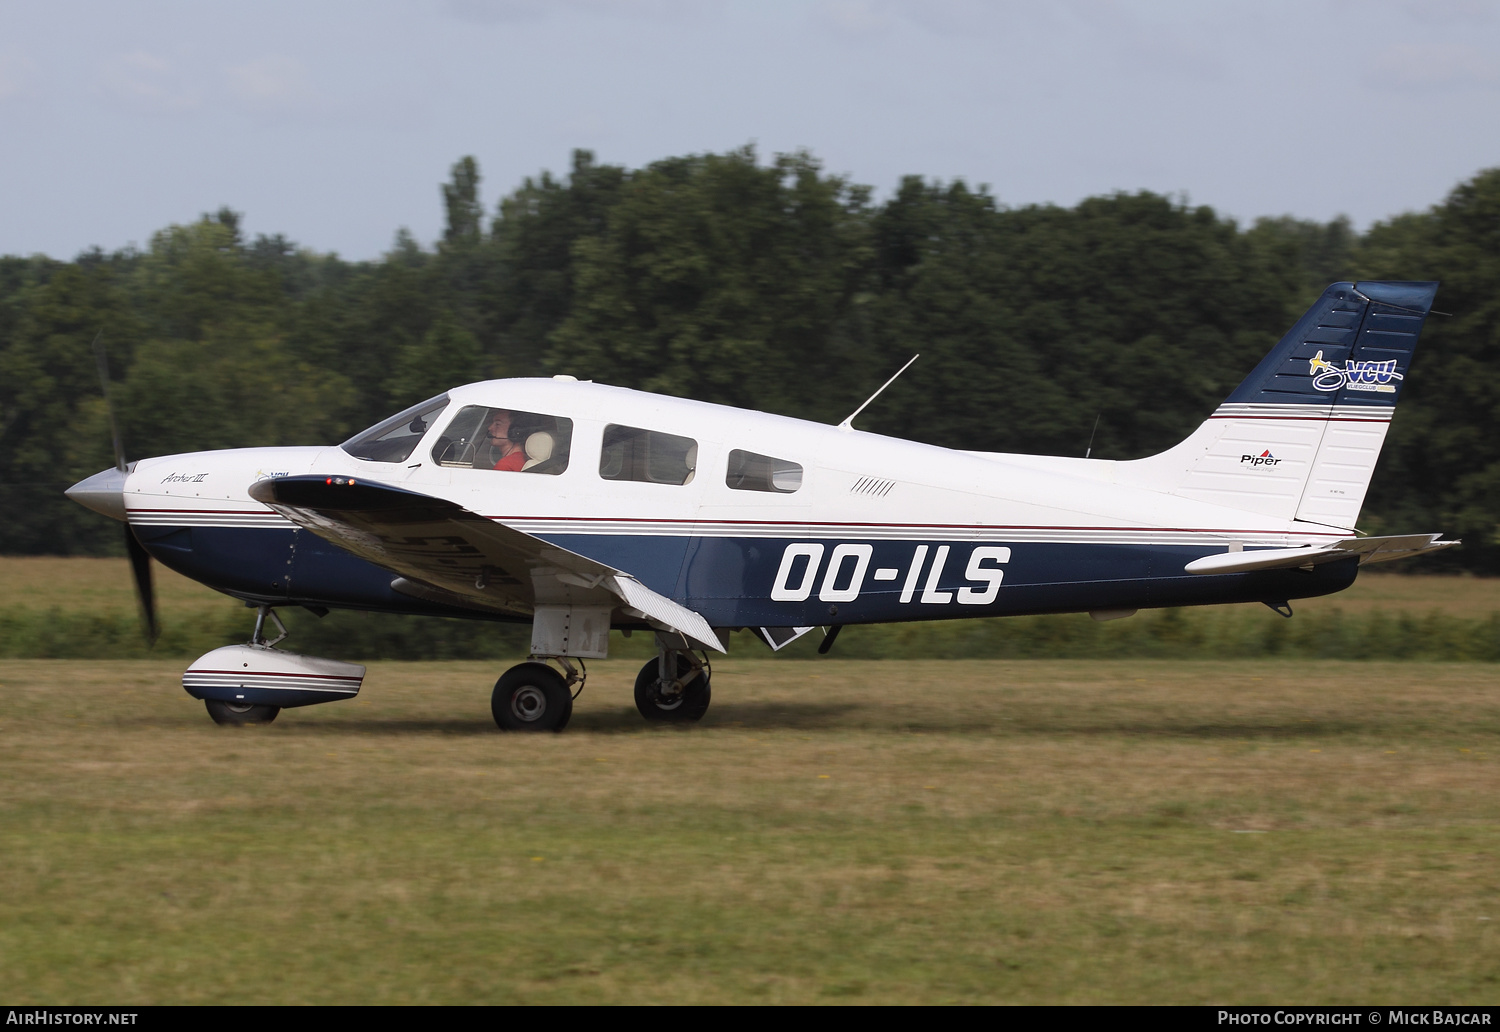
980, 831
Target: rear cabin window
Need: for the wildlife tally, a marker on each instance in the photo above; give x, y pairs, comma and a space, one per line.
649, 456
394, 439
508, 440
751, 472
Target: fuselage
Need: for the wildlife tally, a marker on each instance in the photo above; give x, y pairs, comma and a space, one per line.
747, 518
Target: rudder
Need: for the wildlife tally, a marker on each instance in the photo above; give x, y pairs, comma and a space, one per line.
1299, 438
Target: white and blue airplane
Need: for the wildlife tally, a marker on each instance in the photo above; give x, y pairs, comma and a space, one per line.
580, 507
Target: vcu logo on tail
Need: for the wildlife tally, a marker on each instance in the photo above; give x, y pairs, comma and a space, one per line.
1357, 375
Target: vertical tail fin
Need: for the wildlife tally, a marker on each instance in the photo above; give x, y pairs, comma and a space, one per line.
1298, 439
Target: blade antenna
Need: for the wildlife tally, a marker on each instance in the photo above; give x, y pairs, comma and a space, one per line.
1090, 449
848, 424
114, 427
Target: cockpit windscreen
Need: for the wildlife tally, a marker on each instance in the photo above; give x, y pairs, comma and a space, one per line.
394, 439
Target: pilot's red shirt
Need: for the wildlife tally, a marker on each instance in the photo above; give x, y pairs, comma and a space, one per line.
513, 462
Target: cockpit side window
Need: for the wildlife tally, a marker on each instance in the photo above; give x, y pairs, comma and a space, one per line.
751, 472
648, 456
394, 439
510, 440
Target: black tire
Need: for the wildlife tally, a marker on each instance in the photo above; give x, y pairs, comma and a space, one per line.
531, 697
683, 709
239, 714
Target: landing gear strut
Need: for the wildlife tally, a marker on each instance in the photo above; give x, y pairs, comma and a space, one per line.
535, 697
243, 714
673, 687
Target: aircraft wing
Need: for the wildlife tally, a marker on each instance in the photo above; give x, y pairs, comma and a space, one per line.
445, 553
1367, 549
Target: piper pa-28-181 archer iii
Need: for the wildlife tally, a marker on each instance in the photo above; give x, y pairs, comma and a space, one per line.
580, 507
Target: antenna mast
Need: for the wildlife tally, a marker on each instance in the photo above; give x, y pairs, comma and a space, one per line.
848, 423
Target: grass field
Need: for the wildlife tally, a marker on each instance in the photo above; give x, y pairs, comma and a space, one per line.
99, 586
1132, 831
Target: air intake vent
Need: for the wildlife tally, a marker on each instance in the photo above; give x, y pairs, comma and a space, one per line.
872, 486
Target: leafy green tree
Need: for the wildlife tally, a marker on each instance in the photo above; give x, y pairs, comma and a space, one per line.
1032, 323
461, 200
1440, 469
530, 290
1325, 252
196, 275
718, 278
235, 387
47, 376
447, 356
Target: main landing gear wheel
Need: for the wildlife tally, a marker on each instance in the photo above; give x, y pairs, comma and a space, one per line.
679, 702
240, 714
531, 697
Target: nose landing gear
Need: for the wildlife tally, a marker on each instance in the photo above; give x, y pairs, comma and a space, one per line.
235, 713
252, 683
239, 714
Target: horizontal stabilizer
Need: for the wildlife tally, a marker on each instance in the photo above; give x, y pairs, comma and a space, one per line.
1367, 550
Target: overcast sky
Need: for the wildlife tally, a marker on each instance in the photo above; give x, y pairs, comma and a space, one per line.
335, 122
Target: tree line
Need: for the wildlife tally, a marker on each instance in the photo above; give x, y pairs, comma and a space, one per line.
1117, 324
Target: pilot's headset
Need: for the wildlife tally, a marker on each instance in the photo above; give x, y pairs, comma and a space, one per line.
517, 432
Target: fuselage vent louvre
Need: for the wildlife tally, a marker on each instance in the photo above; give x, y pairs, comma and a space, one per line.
872, 486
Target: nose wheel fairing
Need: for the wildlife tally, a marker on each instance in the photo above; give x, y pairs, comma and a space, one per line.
251, 683
259, 675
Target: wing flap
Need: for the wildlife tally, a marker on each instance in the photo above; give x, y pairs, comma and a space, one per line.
659, 609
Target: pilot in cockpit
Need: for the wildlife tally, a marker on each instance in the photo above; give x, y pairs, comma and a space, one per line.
499, 450
505, 439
